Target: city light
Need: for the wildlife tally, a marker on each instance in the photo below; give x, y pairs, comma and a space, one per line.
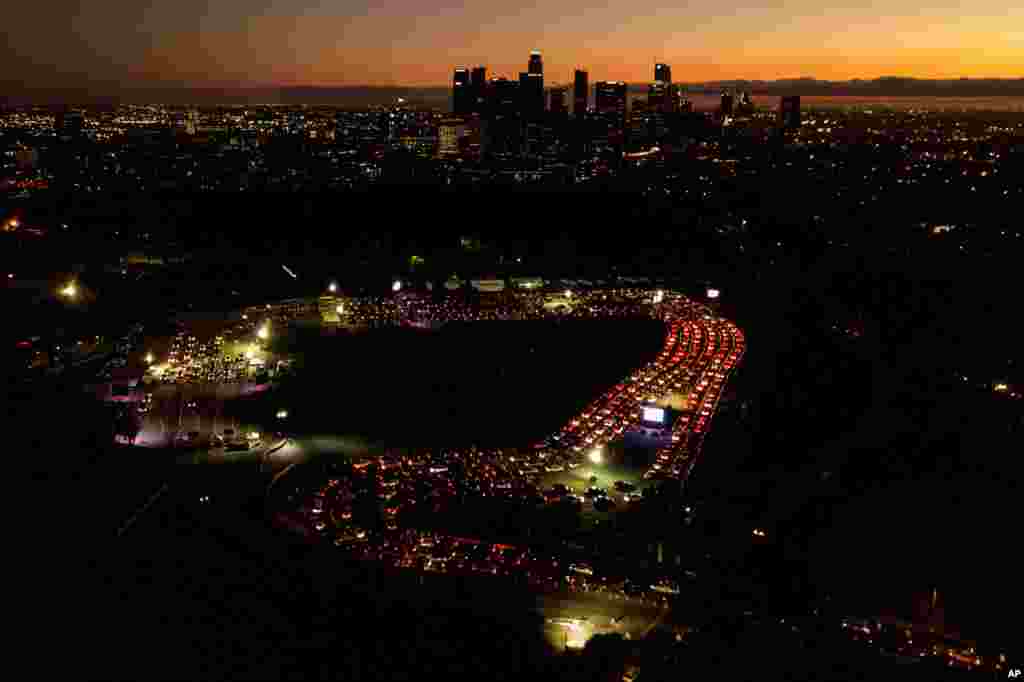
595, 456
149, 358
264, 332
714, 293
249, 355
1001, 388
282, 414
397, 286
758, 532
659, 296
332, 287
568, 294
70, 290
340, 309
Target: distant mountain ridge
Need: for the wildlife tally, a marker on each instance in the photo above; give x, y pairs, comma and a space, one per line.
437, 96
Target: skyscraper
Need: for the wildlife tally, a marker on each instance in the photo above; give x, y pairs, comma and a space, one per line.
789, 112
531, 93
501, 130
679, 102
462, 92
580, 91
478, 84
726, 106
536, 63
610, 98
610, 108
663, 73
658, 96
557, 94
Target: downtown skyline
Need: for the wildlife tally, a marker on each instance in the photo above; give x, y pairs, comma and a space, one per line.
110, 48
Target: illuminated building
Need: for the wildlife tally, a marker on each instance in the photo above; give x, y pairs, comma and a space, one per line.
610, 98
191, 122
726, 106
680, 103
450, 131
658, 96
462, 93
580, 93
663, 73
536, 64
500, 130
558, 105
478, 84
745, 105
789, 112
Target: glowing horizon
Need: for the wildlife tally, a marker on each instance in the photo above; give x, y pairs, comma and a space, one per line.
397, 43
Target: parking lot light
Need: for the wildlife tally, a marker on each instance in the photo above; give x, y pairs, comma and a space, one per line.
595, 456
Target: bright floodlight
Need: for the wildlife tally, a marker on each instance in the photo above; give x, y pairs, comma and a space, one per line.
149, 358
396, 286
249, 354
568, 294
340, 309
714, 293
595, 456
264, 332
659, 296
1001, 388
332, 287
70, 290
282, 414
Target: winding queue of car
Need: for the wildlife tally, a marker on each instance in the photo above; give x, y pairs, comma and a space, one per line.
699, 352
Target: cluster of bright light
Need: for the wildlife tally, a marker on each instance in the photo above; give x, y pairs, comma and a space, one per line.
149, 358
595, 456
659, 296
70, 290
332, 287
282, 414
396, 286
264, 331
714, 293
340, 309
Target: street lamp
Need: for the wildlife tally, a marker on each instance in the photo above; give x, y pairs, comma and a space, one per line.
149, 358
332, 287
70, 290
396, 286
714, 293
